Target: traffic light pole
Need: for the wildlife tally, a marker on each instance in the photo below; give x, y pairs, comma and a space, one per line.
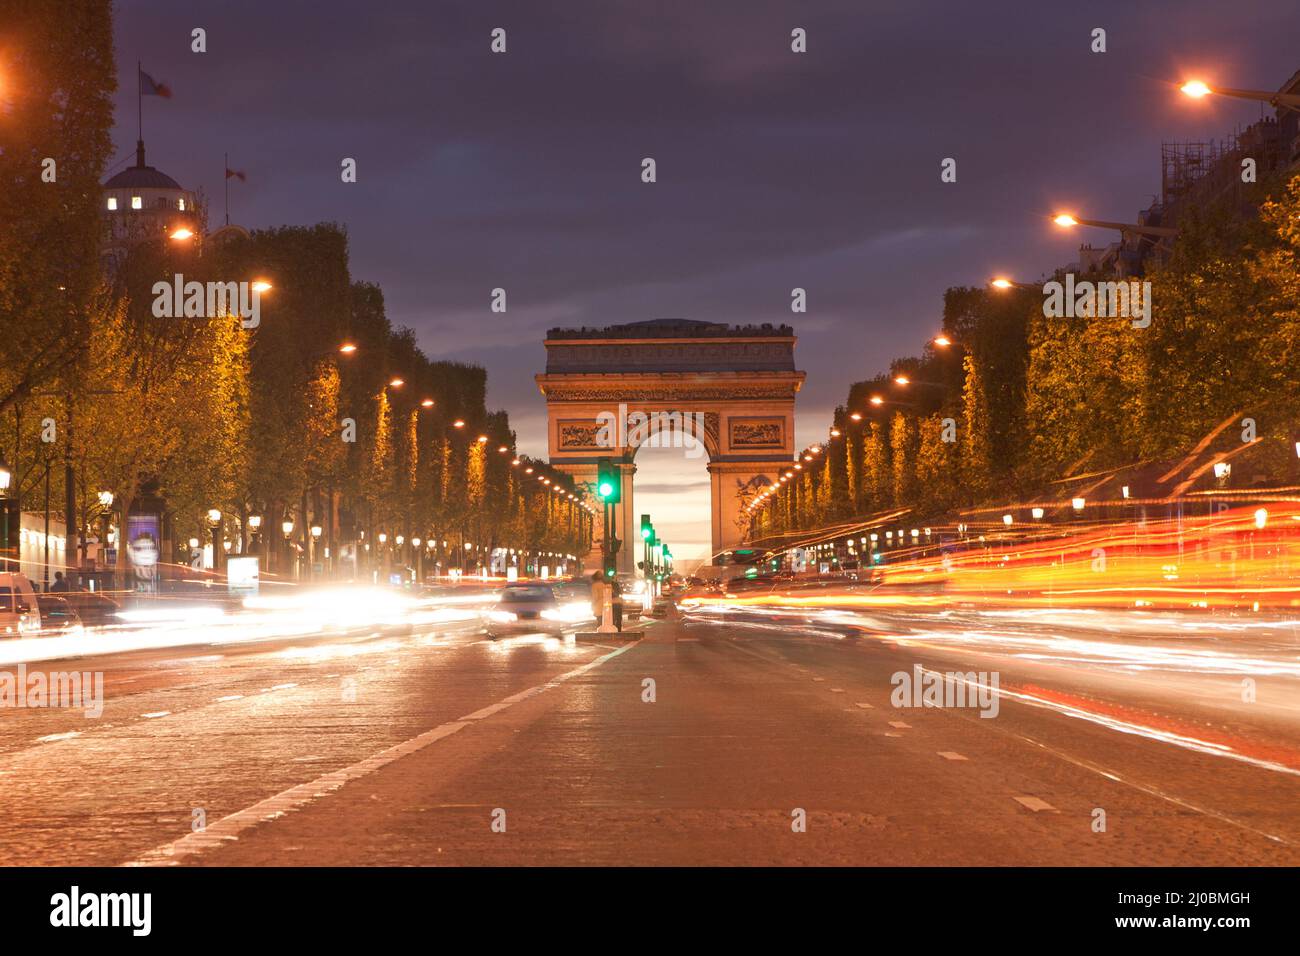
606, 548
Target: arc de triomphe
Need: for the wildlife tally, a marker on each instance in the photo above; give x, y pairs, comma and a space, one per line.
731, 388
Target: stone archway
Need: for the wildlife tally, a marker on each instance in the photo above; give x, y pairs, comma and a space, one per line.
609, 391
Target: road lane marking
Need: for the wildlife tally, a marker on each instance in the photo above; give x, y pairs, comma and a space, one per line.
222, 700
229, 828
950, 755
900, 725
864, 705
1033, 803
837, 690
157, 713
50, 738
818, 680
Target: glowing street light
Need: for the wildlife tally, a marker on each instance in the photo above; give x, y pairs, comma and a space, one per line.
1198, 89
397, 383
261, 285
181, 234
942, 341
902, 380
1067, 221
347, 348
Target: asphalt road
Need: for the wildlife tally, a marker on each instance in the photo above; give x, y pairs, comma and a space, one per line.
771, 739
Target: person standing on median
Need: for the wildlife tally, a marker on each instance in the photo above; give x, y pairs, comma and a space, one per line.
598, 597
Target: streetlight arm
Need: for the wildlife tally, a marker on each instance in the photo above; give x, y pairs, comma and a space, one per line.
1130, 227
1289, 100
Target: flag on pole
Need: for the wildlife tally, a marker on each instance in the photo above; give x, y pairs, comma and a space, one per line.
150, 87
236, 174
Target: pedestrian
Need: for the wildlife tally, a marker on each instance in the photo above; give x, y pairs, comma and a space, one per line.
598, 597
616, 599
60, 585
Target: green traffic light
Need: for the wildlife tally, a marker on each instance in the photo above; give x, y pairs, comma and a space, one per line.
606, 489
645, 533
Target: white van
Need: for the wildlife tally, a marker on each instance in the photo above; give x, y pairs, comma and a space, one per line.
19, 613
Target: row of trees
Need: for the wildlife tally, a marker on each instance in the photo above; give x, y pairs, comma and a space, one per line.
1016, 399
100, 394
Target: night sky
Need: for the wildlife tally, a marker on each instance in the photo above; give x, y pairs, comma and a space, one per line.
775, 169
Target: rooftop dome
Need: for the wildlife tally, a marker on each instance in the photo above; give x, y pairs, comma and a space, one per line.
141, 176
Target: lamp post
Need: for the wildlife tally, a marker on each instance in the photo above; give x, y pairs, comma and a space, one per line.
6, 478
214, 522
255, 526
316, 532
286, 528
105, 518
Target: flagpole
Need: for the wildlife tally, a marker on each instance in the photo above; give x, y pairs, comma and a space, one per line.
139, 109
225, 176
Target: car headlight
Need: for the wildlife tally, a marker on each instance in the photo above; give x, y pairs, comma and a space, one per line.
503, 617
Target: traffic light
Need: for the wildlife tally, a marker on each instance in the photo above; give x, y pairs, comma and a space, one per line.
647, 532
608, 481
610, 566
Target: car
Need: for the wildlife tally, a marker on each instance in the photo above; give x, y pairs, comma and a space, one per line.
632, 595
91, 607
57, 613
525, 609
19, 612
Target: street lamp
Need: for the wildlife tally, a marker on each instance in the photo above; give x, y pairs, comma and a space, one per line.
1197, 89
214, 522
254, 526
1067, 221
942, 341
181, 234
316, 532
261, 285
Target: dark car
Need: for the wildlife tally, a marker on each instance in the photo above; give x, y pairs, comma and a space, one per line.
94, 609
524, 609
56, 613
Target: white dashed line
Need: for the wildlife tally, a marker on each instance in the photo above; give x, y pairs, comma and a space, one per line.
50, 738
157, 713
230, 827
1033, 803
222, 700
864, 705
950, 755
900, 725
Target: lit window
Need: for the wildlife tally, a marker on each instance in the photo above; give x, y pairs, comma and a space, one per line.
136, 203
112, 202
180, 204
